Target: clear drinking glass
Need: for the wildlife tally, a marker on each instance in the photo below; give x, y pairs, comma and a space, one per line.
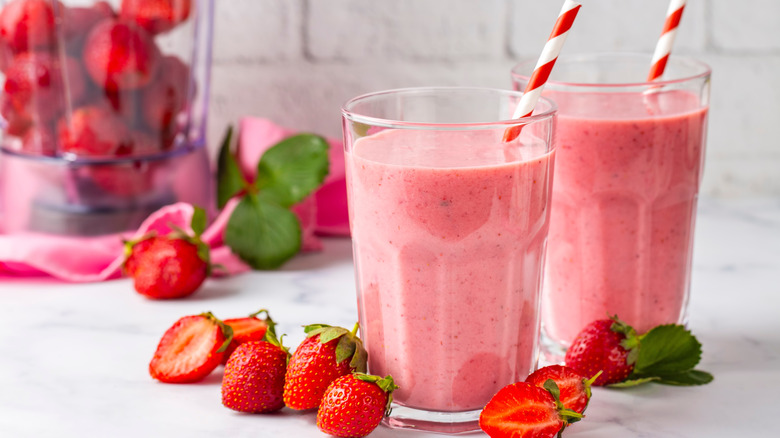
628, 168
449, 228
103, 108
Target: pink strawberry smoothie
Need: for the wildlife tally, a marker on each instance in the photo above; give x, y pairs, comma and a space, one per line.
627, 175
449, 231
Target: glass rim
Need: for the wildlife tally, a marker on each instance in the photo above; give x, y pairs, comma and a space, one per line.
706, 71
354, 116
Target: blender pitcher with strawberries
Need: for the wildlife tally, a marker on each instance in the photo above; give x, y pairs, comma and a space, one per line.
103, 108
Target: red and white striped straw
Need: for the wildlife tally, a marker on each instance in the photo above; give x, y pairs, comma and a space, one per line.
544, 66
664, 46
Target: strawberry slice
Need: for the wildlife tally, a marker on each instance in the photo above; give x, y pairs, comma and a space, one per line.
248, 329
523, 410
574, 388
190, 349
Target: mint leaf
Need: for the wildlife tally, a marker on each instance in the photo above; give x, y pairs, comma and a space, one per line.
292, 169
667, 350
687, 378
263, 234
230, 180
198, 222
633, 382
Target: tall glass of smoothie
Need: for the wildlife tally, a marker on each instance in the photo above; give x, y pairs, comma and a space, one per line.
449, 229
629, 164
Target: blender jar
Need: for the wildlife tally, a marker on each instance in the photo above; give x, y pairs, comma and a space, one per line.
104, 107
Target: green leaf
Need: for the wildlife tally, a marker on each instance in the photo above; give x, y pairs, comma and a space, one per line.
309, 329
687, 378
631, 382
263, 234
292, 169
552, 387
332, 333
667, 350
230, 180
198, 223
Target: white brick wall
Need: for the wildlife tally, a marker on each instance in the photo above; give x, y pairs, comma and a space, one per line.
297, 61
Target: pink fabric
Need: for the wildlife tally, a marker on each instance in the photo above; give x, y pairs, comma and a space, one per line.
100, 258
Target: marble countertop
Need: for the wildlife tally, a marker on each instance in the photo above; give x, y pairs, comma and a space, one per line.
73, 358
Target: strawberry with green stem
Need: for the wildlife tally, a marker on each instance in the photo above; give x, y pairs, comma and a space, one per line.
326, 354
354, 405
666, 354
254, 376
574, 388
170, 266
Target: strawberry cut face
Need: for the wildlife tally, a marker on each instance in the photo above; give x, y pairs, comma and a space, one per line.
189, 350
521, 410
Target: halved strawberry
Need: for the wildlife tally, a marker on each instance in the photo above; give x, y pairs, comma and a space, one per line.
574, 388
523, 410
249, 329
29, 24
191, 349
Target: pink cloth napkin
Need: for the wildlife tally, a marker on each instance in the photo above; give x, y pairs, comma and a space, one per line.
100, 258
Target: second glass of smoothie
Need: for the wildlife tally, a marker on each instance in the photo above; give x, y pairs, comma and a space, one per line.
628, 167
449, 227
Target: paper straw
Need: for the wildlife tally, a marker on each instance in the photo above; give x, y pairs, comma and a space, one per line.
544, 66
664, 46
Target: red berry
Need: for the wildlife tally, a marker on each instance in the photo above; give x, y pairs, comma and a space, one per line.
164, 98
79, 21
168, 267
354, 405
94, 131
120, 56
35, 85
523, 410
254, 377
28, 24
574, 388
39, 140
248, 329
190, 350
600, 346
156, 16
16, 124
314, 365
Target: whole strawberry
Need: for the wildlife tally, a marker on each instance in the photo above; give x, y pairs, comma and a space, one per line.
523, 410
29, 24
119, 55
191, 349
607, 345
574, 388
353, 405
156, 16
325, 355
171, 266
254, 376
251, 328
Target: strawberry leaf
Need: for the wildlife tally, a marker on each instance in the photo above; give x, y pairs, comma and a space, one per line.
687, 378
198, 222
633, 382
667, 350
230, 180
292, 169
331, 333
344, 349
263, 234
